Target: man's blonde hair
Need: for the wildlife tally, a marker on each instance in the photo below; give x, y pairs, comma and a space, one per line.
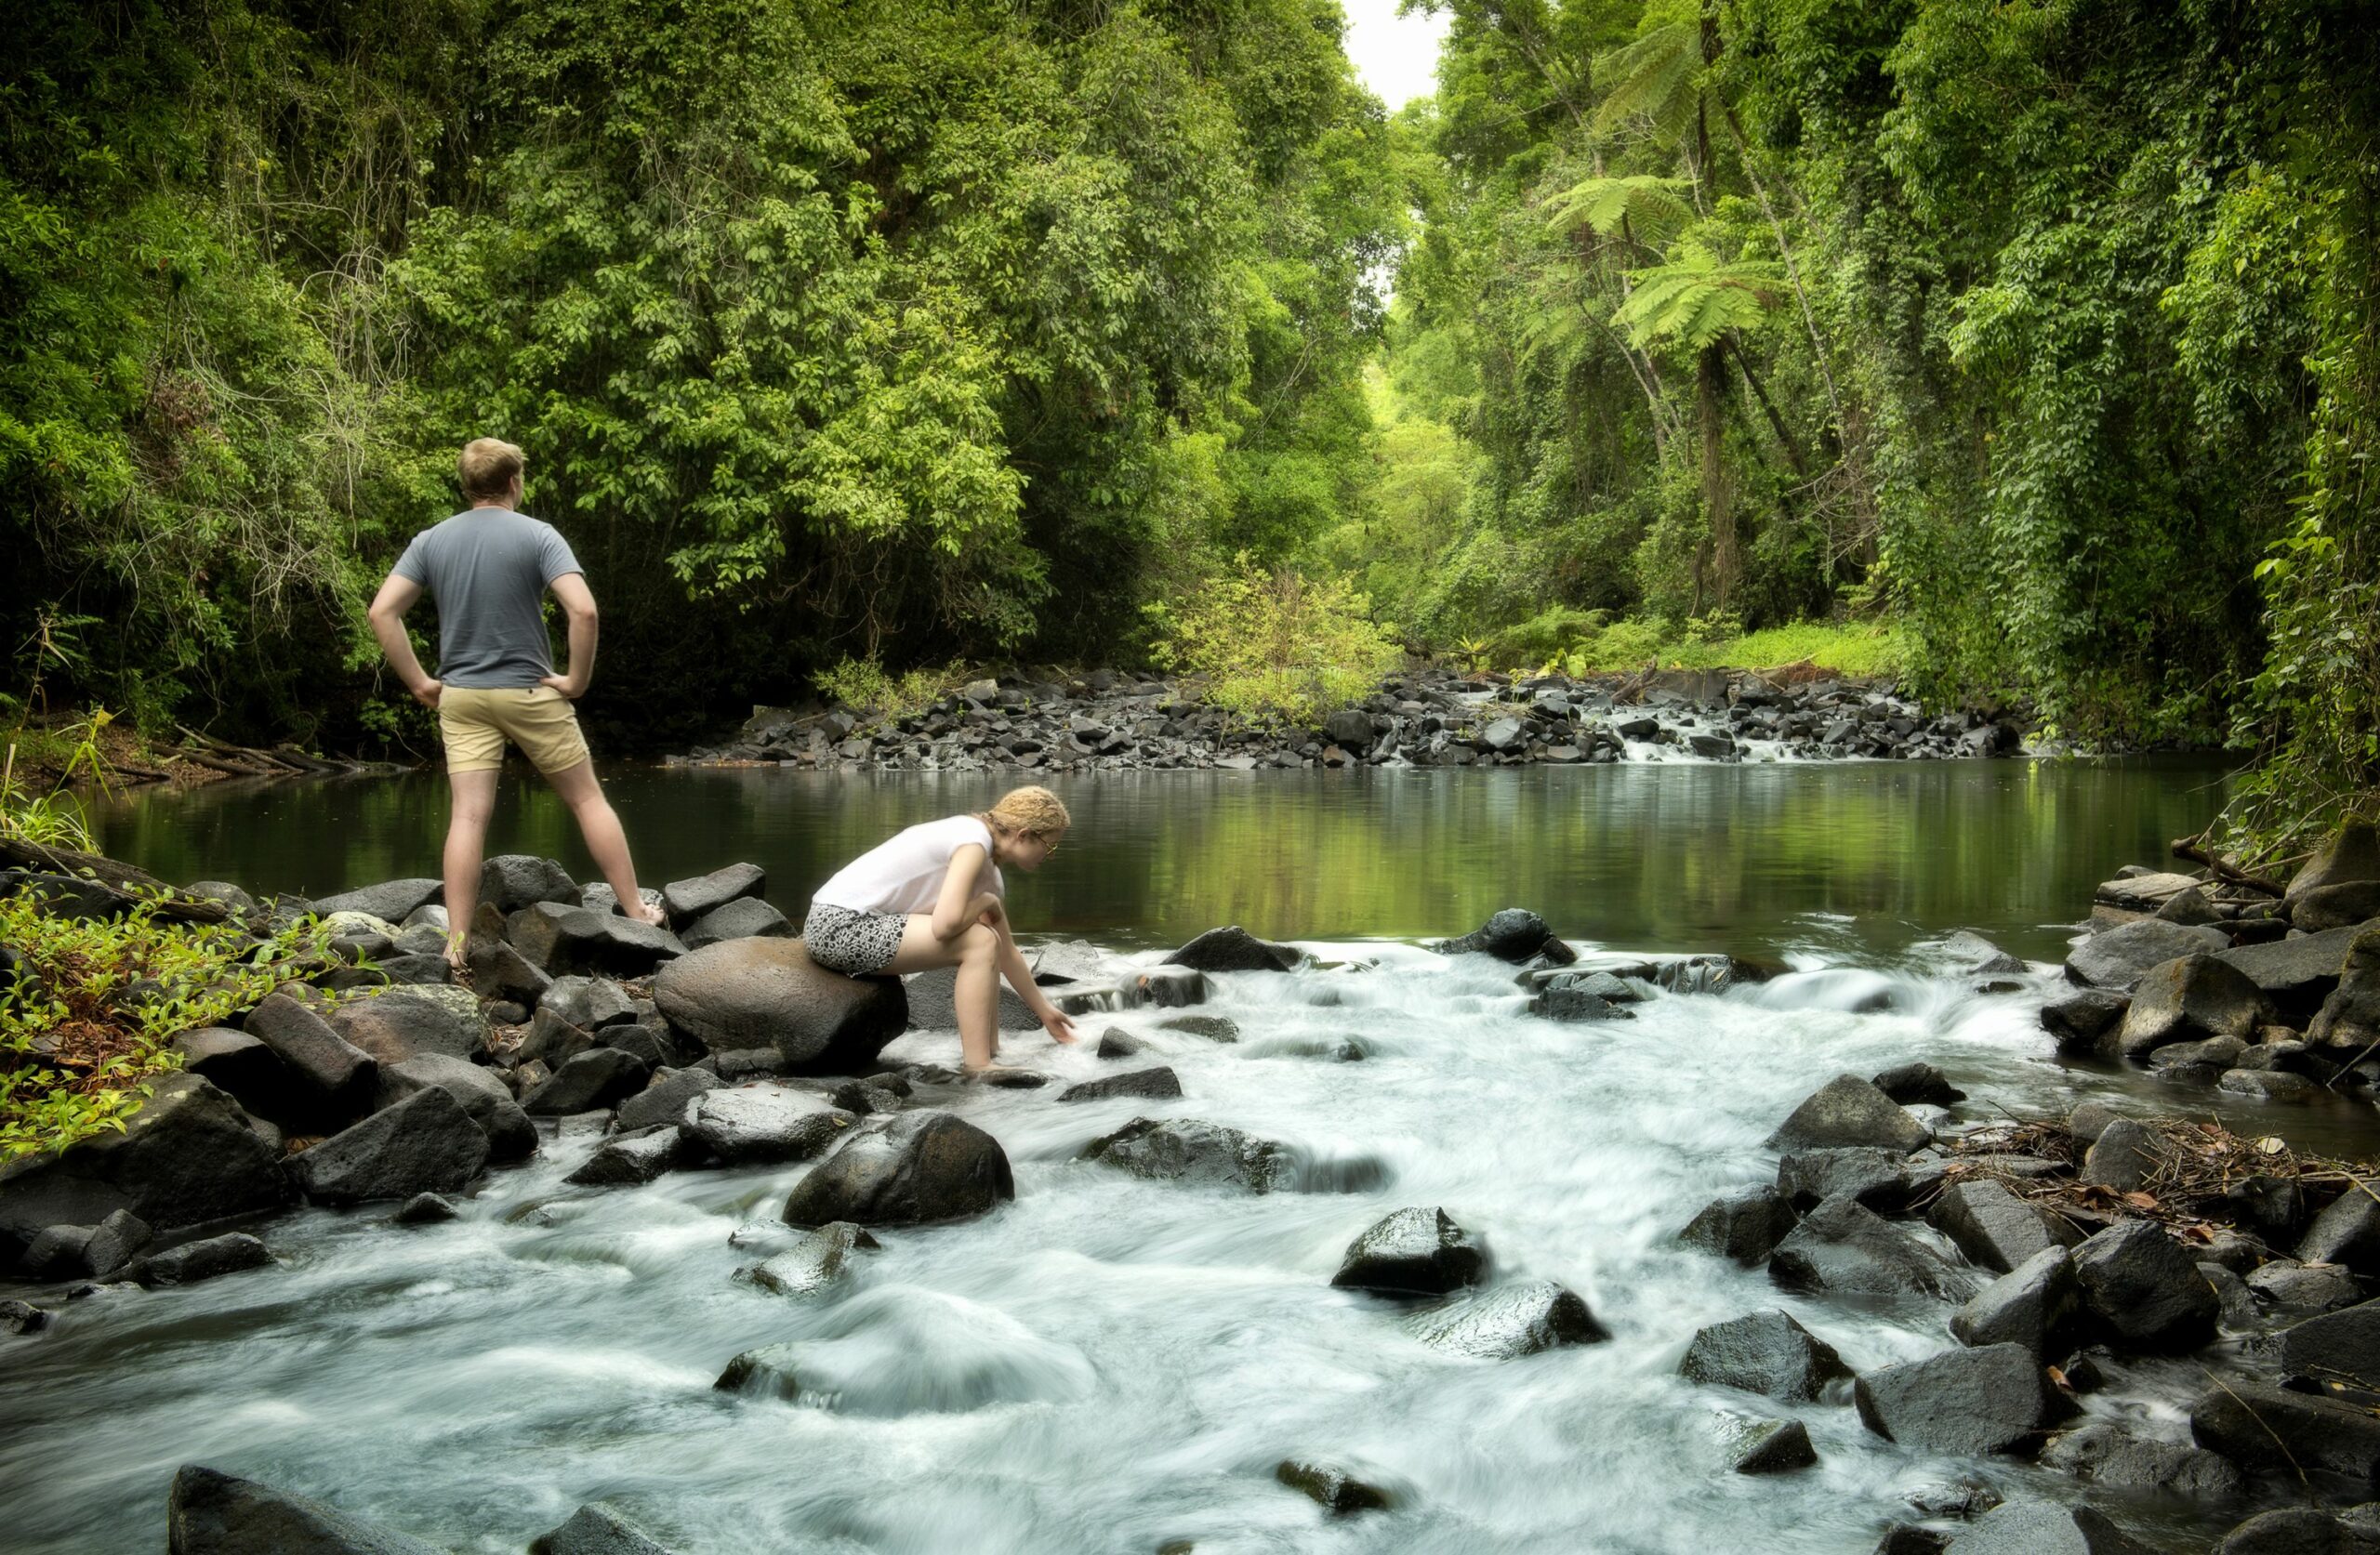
488, 468
1029, 812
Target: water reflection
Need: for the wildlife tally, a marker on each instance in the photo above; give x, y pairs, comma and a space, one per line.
1667, 857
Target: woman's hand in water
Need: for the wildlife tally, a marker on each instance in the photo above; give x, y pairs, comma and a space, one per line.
1058, 1023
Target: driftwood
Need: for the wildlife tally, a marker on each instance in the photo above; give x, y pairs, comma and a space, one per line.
40, 858
2188, 847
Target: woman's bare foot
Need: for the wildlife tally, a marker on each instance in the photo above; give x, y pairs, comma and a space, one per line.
458, 956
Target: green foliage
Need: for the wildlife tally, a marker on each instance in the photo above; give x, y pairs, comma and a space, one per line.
864, 686
1277, 648
90, 1019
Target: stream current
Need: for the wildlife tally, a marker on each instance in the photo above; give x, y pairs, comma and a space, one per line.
1108, 1364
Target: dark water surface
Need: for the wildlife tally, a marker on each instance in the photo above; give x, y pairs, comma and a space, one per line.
1675, 856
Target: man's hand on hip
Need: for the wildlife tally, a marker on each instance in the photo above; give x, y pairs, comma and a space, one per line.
569, 685
428, 692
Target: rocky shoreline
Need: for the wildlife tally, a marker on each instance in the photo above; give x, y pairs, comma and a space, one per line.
1108, 720
2063, 1254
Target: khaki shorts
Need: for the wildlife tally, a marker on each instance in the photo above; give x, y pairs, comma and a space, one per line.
538, 719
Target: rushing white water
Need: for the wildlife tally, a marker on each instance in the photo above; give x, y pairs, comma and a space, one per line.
1108, 1364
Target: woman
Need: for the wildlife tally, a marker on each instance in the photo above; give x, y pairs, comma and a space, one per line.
933, 897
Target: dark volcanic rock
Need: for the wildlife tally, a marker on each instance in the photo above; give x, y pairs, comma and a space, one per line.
599, 1077
1515, 934
909, 1169
2190, 999
2341, 1347
631, 1160
336, 1075
2108, 1455
1762, 1352
213, 1513
2118, 958
1848, 1111
1215, 1028
511, 1135
2144, 1289
1414, 1252
587, 1003
1190, 1150
2346, 1232
1911, 1084
769, 993
115, 1241
1117, 1043
426, 1143
427, 1209
2124, 1157
2034, 1304
1768, 1446
1509, 1322
2043, 1528
763, 1123
509, 882
21, 1317
598, 1528
1233, 950
2301, 1531
1152, 1084
497, 971
743, 918
685, 901
1745, 1226
1993, 1227
398, 1023
1844, 1247
2273, 1431
193, 1261
1883, 1179
186, 1154
1986, 1400
392, 902
817, 1261
559, 940
666, 1098
1338, 1491
2084, 1023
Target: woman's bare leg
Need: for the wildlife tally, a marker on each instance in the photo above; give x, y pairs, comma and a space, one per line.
976, 955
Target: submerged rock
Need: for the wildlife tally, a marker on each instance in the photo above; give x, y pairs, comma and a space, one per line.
1191, 1149
633, 1159
1413, 1252
1745, 1226
1117, 1043
1335, 1487
209, 1512
909, 1169
1848, 1111
2105, 1454
1215, 1028
230, 1254
1149, 1083
1986, 1400
1911, 1084
1509, 1322
1847, 1248
1759, 1446
598, 1528
1766, 1352
2044, 1528
1515, 934
1233, 950
763, 1125
427, 1209
816, 1261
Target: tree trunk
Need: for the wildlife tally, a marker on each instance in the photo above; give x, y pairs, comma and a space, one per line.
1711, 398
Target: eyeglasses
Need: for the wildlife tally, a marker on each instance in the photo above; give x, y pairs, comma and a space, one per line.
1049, 842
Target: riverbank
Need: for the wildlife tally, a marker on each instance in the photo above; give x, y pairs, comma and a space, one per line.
608, 1108
1429, 715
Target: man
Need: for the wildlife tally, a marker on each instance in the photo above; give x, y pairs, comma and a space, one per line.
490, 568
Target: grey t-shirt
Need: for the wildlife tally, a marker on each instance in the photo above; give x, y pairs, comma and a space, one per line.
488, 569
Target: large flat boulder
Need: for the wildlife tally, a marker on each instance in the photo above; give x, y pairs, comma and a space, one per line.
2118, 958
1844, 1247
390, 902
746, 917
186, 1154
2297, 974
560, 939
1765, 1352
1192, 1150
2192, 998
214, 1513
905, 1169
762, 1124
426, 1143
2270, 1429
598, 1528
1985, 1400
398, 1023
1509, 1322
701, 895
767, 992
1848, 1111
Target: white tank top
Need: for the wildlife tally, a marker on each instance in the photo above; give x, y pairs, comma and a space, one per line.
905, 874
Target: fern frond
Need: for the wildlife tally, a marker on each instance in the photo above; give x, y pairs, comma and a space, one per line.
1656, 79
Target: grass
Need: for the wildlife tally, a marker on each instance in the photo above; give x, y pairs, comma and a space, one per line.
1853, 649
1589, 642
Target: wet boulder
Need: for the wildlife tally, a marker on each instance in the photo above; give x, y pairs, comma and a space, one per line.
2274, 1086
598, 1077
1918, 1085
1233, 950
1765, 1352
390, 902
1337, 1488
2297, 974
2190, 998
767, 992
1147, 1084
187, 1264
1515, 934
241, 1065
1191, 1149
2044, 1528
817, 1261
2350, 1017
335, 1077
511, 1135
2304, 1531
933, 1003
2347, 905
2035, 1304
209, 1512
427, 1209
1213, 1028
2124, 1157
1117, 1043
2351, 853
398, 1023
1986, 1400
21, 1317
909, 1169
632, 1159
2348, 1232
1885, 1180
186, 1154
2340, 1347
510, 882
497, 971
1995, 1228
425, 1143
598, 1528
1763, 1446
116, 1242
2269, 1429
559, 939
2290, 1286
701, 895
2084, 1023
746, 917
2141, 1288
2105, 1454
1848, 1111
1745, 1226
1509, 1322
2118, 958
1846, 1248
666, 1098
1412, 1252
763, 1125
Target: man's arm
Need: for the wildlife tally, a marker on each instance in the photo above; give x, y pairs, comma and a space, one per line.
578, 604
388, 617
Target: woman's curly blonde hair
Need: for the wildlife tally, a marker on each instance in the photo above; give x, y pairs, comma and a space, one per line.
1031, 812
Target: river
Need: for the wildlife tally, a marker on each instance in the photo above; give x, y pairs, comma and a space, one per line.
1109, 1364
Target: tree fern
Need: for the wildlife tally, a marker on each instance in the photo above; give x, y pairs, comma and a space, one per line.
1656, 81
1696, 298
1649, 208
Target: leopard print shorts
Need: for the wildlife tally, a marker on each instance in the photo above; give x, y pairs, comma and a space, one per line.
856, 944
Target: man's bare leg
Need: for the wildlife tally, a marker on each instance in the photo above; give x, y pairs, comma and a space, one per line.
600, 824
473, 801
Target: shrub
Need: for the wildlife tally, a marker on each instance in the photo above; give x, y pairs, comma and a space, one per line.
92, 1007
865, 686
1277, 648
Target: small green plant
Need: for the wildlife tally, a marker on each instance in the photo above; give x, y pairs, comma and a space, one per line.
51, 820
865, 686
88, 1018
1277, 648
